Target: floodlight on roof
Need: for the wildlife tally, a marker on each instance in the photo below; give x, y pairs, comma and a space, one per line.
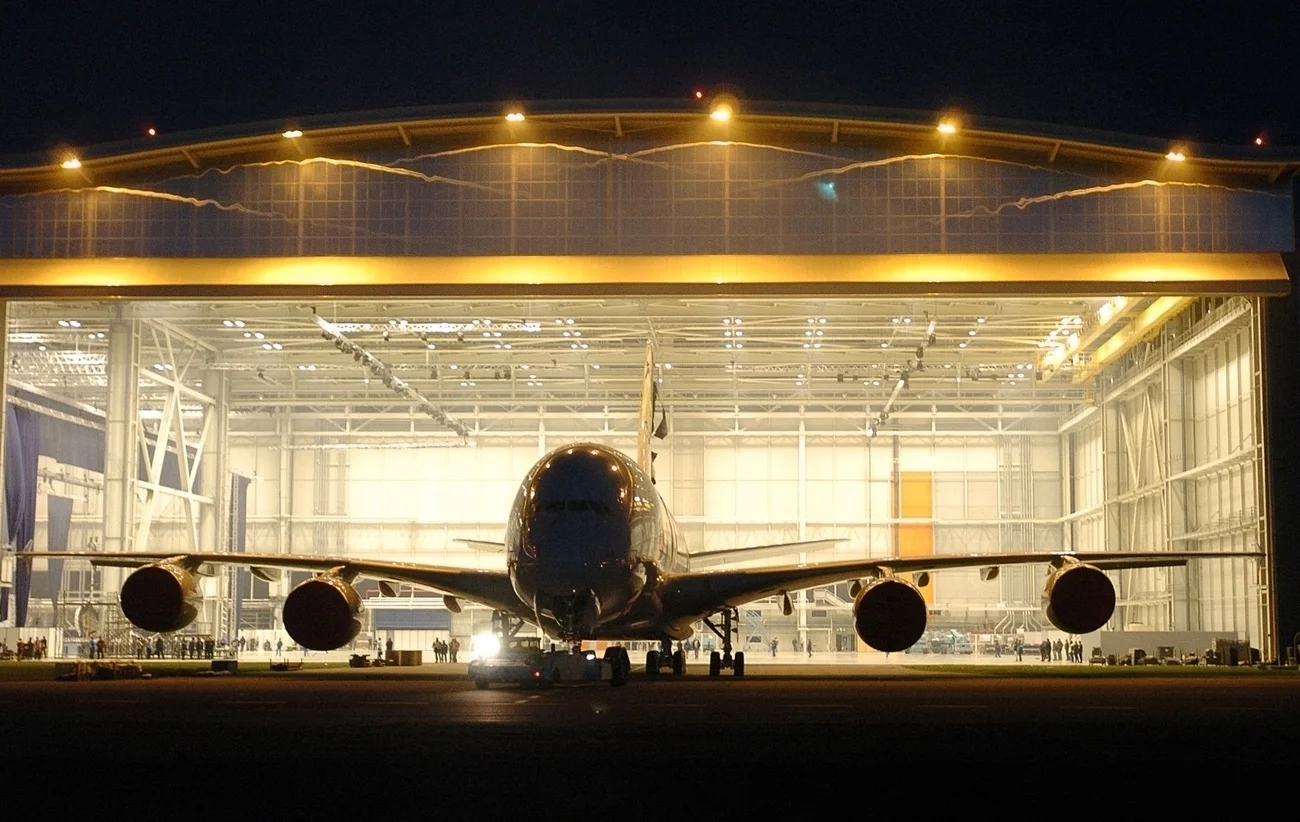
723, 107
71, 164
292, 134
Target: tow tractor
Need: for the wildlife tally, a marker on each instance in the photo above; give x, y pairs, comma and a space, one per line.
521, 660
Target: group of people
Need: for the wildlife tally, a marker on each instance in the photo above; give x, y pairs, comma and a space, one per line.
31, 649
443, 651
1060, 650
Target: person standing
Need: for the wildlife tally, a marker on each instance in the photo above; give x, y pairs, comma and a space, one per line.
453, 648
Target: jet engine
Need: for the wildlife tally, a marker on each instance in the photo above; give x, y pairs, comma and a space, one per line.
161, 597
1079, 598
323, 613
889, 614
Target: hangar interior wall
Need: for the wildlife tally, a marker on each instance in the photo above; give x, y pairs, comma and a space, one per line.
1168, 454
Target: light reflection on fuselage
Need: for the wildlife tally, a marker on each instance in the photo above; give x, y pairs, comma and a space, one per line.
585, 533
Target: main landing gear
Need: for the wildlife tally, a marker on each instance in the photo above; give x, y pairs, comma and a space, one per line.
505, 624
665, 657
720, 661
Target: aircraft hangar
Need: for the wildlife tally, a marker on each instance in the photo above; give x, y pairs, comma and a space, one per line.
353, 335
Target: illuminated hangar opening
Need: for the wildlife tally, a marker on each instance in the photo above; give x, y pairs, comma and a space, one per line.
355, 340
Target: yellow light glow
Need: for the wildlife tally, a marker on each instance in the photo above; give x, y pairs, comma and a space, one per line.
71, 163
515, 117
292, 133
1175, 156
721, 112
947, 127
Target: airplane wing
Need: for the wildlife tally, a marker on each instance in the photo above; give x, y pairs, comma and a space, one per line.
483, 545
694, 595
705, 559
490, 588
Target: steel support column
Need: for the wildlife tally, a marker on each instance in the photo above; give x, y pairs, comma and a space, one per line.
120, 441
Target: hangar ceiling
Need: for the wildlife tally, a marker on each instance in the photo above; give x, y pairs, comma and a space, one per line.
948, 364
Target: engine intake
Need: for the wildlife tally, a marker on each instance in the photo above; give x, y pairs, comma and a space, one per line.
889, 614
160, 598
1079, 598
323, 613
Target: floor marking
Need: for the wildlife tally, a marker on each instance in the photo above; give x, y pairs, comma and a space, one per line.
397, 702
527, 699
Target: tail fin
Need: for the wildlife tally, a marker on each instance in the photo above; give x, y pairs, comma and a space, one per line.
646, 423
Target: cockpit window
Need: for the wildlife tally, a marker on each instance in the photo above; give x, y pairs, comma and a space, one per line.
595, 506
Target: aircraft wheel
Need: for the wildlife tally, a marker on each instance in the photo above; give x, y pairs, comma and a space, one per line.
481, 684
679, 663
738, 665
652, 663
619, 666
715, 664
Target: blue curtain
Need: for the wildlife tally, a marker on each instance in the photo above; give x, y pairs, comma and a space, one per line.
22, 444
60, 523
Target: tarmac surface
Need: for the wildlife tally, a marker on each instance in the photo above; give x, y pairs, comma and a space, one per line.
796, 721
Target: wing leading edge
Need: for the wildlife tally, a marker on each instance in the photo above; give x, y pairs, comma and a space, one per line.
490, 588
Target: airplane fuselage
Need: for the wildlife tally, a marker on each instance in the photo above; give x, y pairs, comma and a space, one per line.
587, 540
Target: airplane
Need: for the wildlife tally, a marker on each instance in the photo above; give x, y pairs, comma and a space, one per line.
593, 553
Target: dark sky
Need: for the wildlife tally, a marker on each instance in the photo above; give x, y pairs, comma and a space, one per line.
94, 72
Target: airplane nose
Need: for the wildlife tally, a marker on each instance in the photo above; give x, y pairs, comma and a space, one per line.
578, 511
575, 560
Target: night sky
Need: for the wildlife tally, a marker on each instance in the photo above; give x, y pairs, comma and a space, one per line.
94, 72
84, 73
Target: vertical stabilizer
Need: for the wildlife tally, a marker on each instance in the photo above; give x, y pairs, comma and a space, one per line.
646, 418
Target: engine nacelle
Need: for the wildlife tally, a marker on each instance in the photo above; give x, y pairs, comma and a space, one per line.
323, 613
889, 614
161, 597
1079, 598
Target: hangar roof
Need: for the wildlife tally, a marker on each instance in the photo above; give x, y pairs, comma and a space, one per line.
795, 123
